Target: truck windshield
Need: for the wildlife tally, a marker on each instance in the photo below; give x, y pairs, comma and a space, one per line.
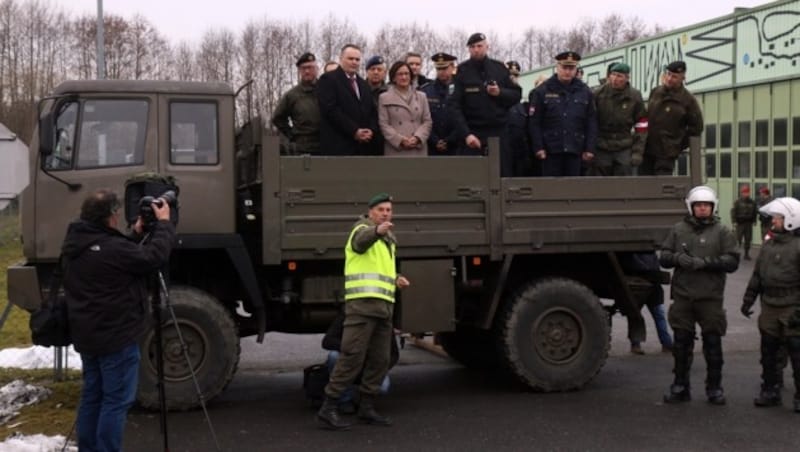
112, 133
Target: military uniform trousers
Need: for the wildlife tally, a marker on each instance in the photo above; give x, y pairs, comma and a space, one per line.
708, 313
610, 163
744, 233
506, 154
656, 165
774, 320
366, 345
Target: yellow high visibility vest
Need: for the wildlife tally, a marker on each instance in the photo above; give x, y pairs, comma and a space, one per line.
371, 274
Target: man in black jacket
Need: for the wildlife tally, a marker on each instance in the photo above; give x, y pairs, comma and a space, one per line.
106, 292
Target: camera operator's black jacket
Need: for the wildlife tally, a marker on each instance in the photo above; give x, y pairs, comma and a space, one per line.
105, 281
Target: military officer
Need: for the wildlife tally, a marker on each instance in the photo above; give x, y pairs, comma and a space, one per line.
776, 280
370, 280
482, 95
563, 123
744, 214
443, 139
514, 69
376, 76
673, 117
300, 105
621, 124
702, 251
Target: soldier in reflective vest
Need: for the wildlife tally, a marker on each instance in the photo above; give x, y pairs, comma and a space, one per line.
370, 282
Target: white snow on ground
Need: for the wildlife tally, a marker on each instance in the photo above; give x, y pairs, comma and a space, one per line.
18, 394
36, 357
35, 443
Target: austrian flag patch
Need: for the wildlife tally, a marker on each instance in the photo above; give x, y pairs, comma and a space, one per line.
641, 125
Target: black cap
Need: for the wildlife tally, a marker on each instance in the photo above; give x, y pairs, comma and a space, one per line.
568, 58
442, 60
513, 67
677, 67
476, 37
307, 57
374, 61
379, 198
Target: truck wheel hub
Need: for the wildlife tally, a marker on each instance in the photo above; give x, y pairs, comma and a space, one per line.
557, 335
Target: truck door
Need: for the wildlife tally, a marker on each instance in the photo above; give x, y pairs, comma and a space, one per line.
100, 142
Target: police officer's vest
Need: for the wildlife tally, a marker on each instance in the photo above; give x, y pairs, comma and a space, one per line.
371, 274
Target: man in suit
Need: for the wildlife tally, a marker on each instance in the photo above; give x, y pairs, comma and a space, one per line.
349, 119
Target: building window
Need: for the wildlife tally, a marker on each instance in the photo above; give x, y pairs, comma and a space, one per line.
744, 164
762, 164
744, 134
762, 133
780, 131
725, 138
795, 164
779, 164
796, 131
725, 165
113, 133
796, 191
778, 190
711, 166
711, 136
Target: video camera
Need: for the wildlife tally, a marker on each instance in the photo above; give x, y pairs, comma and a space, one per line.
143, 190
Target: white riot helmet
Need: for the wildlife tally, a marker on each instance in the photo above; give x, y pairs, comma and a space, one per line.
701, 193
788, 208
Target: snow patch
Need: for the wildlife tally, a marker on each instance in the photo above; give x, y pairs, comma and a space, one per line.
18, 394
36, 443
37, 357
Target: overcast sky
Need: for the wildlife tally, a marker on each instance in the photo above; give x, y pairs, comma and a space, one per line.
188, 19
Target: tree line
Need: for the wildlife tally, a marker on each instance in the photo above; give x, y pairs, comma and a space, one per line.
42, 45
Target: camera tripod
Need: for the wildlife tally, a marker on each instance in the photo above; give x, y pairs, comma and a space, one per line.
161, 298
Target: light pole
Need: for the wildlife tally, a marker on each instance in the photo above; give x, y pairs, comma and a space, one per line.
101, 63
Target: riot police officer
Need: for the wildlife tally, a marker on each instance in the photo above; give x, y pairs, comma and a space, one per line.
701, 250
482, 95
443, 139
563, 124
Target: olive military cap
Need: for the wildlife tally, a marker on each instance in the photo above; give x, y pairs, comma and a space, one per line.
307, 57
379, 198
677, 67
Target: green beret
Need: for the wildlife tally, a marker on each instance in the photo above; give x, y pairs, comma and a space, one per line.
622, 68
379, 198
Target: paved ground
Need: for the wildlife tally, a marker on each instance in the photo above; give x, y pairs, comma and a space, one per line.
438, 405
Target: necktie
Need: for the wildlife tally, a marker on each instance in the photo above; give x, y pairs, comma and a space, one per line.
354, 86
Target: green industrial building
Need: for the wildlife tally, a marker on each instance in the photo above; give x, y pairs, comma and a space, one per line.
744, 69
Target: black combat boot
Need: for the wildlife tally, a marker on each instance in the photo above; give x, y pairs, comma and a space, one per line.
747, 255
682, 351
783, 361
367, 413
770, 394
712, 350
793, 344
328, 415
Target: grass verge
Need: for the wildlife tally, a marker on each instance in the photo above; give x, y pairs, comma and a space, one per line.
53, 416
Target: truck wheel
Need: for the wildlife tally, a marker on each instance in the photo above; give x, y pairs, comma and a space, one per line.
212, 344
471, 347
555, 335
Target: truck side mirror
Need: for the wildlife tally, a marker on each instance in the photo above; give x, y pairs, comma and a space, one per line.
46, 134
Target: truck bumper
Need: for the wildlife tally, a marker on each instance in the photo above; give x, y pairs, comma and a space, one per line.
23, 287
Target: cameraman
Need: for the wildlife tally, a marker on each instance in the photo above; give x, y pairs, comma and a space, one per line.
105, 280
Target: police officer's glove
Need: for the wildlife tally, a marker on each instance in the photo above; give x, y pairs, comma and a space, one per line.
690, 262
794, 320
636, 159
747, 308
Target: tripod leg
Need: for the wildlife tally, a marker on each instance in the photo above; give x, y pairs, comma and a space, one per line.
162, 397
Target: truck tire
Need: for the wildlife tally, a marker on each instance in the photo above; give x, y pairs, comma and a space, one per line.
212, 343
471, 347
555, 335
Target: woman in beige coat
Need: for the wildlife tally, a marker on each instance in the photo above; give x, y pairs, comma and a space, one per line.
404, 115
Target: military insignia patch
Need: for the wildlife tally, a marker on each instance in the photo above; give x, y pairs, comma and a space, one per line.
667, 109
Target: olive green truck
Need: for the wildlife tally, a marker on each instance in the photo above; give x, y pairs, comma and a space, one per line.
507, 272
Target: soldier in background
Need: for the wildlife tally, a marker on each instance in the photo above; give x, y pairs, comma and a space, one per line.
479, 105
414, 61
297, 114
330, 66
702, 251
673, 117
563, 124
443, 139
514, 69
621, 124
743, 216
764, 219
376, 76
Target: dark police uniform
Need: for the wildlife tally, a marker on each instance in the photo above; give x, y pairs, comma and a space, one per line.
744, 214
438, 93
563, 123
475, 112
697, 291
524, 165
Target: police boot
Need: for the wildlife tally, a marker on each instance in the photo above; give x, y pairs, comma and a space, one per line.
712, 351
682, 349
793, 344
367, 413
328, 415
770, 394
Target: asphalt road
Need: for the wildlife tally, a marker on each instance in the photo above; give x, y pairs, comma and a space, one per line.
438, 405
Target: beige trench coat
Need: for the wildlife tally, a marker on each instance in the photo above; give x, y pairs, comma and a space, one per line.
399, 119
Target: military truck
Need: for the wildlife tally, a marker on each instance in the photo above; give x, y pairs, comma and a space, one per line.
508, 272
